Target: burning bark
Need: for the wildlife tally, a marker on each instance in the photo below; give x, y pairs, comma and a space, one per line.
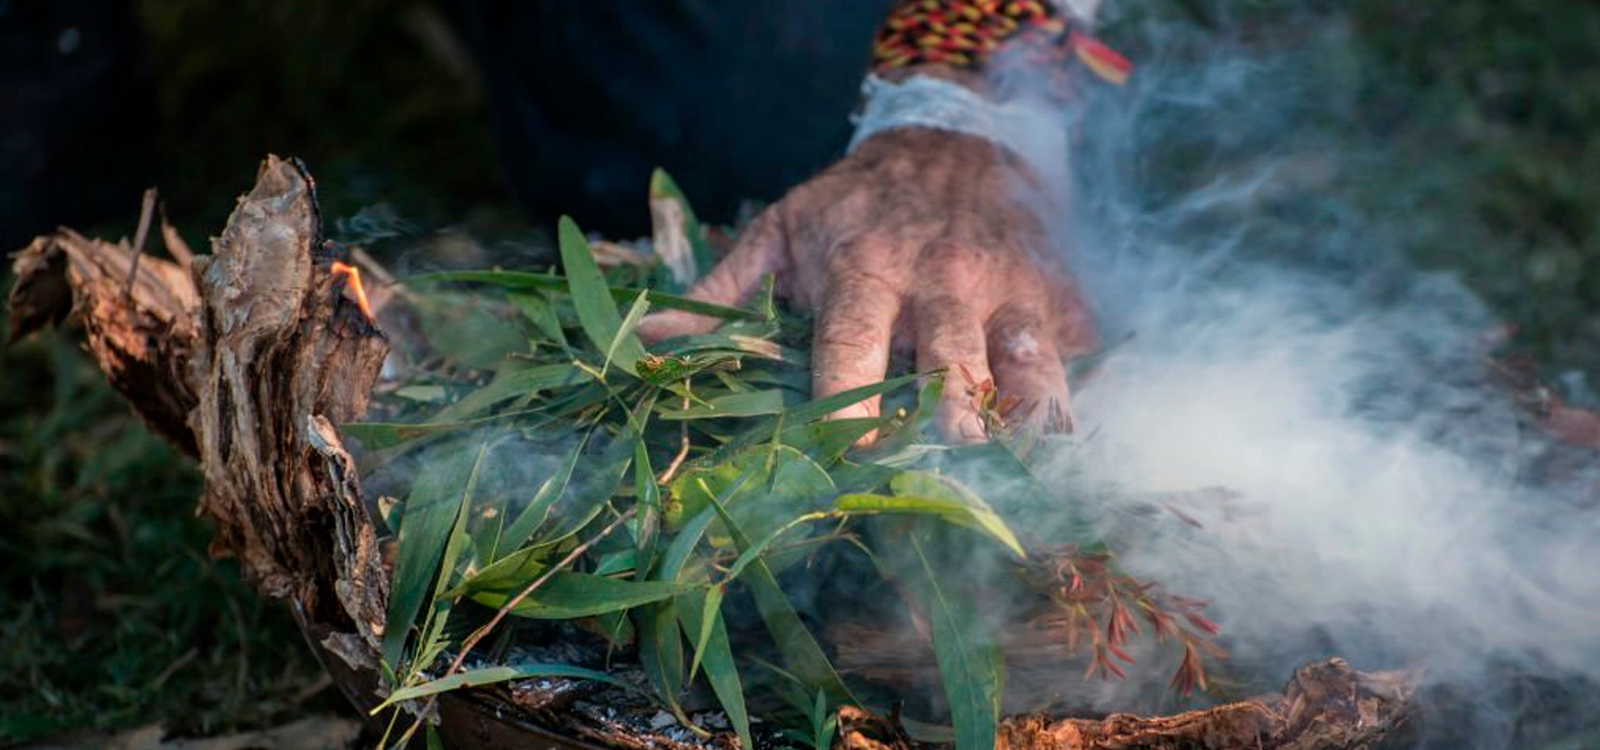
248, 358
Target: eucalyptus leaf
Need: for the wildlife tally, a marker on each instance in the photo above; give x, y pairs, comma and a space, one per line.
553, 282
492, 675
429, 516
569, 595
800, 649
716, 654
752, 404
971, 667
531, 517
597, 313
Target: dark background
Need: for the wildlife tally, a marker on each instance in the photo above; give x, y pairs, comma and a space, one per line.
1484, 115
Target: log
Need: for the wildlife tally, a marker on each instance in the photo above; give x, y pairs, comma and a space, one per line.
248, 358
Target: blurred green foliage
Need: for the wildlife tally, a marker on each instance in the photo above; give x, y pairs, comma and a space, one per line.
112, 614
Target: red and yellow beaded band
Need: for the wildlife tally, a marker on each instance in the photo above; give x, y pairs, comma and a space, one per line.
967, 33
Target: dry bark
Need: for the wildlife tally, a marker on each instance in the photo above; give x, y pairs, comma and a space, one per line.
248, 357
1325, 706
245, 359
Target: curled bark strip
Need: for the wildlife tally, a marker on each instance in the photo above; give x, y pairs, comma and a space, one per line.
142, 335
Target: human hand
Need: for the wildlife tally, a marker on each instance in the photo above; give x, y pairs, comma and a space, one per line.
920, 240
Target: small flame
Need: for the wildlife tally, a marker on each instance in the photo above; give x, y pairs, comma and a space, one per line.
353, 280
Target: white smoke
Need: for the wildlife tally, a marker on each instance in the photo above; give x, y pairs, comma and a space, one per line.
1391, 505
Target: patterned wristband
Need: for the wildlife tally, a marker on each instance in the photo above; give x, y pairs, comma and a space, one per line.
969, 33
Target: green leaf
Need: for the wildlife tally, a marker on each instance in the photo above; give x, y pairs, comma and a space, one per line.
425, 528
492, 675
554, 282
683, 544
613, 563
538, 509
661, 652
538, 311
800, 649
568, 595
647, 497
625, 338
511, 571
593, 491
923, 493
826, 442
597, 312
750, 554
752, 404
508, 383
664, 188
970, 664
422, 393
811, 411
716, 654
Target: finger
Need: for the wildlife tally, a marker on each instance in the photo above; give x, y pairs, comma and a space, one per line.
759, 251
851, 343
1031, 382
950, 336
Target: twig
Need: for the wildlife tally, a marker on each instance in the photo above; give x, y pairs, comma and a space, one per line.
683, 450
146, 211
176, 247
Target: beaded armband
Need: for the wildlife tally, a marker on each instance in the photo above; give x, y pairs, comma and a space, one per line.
969, 33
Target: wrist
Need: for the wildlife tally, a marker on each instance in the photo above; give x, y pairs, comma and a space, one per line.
923, 99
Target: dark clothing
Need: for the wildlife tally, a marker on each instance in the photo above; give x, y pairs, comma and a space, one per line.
736, 98
71, 124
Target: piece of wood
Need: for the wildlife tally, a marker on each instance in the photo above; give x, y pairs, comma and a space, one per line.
245, 359
1325, 706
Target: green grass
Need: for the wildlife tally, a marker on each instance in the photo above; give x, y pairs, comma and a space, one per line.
112, 613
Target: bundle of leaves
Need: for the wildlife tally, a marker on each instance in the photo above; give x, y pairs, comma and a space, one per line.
689, 507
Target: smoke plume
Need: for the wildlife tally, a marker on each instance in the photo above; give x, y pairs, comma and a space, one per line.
1372, 491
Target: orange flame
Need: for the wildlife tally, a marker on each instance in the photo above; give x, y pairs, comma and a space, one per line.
353, 280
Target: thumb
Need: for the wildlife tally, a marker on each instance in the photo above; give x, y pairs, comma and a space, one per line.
759, 251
